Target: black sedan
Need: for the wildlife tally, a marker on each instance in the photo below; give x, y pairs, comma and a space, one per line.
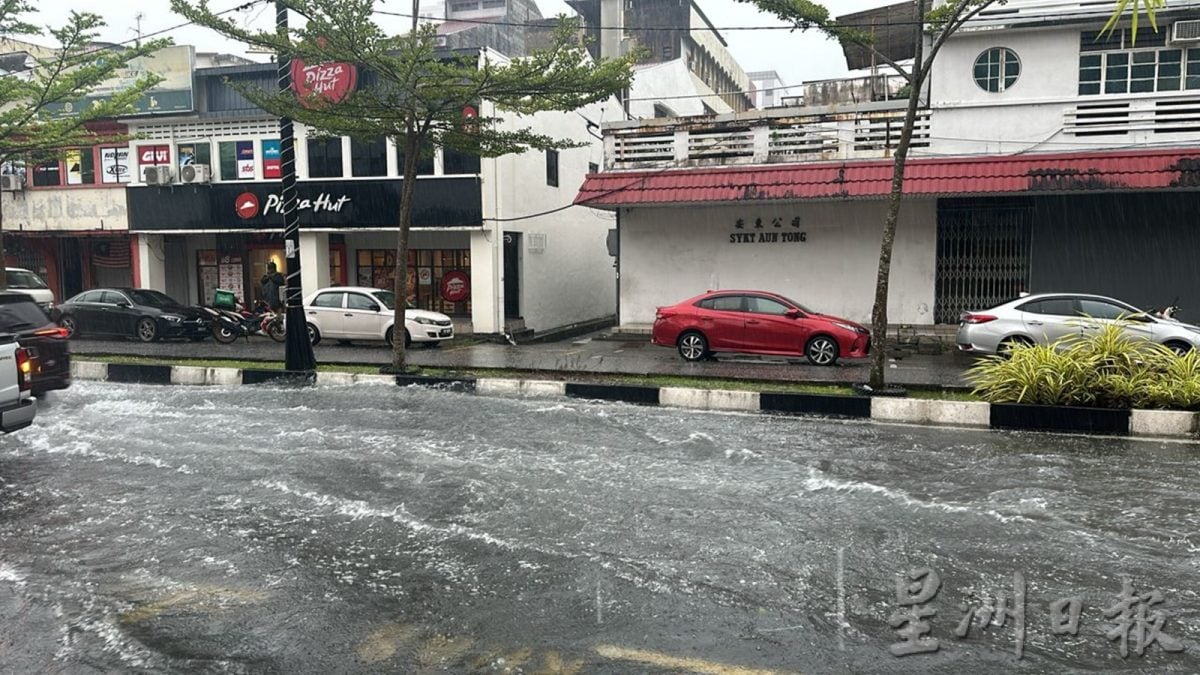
144, 314
21, 316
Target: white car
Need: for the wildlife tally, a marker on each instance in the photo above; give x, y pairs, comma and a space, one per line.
25, 281
358, 313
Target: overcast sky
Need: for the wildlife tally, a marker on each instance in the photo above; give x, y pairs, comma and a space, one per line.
797, 57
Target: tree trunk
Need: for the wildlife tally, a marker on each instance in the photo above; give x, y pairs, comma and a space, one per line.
3, 252
412, 148
879, 316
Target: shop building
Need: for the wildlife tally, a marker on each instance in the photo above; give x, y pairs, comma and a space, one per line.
1020, 178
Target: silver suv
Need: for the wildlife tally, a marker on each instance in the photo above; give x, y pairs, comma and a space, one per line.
1047, 317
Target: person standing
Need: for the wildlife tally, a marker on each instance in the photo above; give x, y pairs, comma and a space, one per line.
271, 282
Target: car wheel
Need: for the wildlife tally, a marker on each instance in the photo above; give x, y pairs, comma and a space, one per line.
387, 337
68, 322
1007, 345
407, 339
147, 330
314, 335
821, 351
1180, 348
692, 346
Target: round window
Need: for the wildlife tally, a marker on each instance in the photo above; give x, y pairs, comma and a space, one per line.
997, 69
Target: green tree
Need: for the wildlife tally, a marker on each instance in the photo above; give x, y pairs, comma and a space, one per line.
34, 123
930, 33
422, 94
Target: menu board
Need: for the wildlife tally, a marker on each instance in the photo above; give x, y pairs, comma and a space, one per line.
231, 276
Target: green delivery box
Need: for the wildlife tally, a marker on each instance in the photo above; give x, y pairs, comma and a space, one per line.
224, 299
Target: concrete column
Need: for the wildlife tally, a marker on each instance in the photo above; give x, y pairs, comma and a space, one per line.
314, 261
484, 294
149, 261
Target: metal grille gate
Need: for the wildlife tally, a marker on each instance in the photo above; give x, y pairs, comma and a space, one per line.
983, 256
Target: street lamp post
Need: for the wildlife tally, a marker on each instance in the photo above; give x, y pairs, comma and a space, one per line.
298, 351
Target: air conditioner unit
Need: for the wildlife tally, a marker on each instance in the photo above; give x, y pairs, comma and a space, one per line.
156, 175
12, 183
195, 173
1185, 32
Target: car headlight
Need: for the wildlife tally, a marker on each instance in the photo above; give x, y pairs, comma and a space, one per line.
172, 318
424, 321
845, 326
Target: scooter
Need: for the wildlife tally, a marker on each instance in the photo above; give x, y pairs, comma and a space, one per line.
229, 325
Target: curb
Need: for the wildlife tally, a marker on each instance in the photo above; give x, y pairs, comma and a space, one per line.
965, 414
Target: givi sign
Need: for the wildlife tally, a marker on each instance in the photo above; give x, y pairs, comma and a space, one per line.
323, 83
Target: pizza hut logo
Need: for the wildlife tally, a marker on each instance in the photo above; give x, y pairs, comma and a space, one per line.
324, 83
456, 286
246, 205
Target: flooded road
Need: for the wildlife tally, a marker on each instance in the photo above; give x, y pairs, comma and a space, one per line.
378, 529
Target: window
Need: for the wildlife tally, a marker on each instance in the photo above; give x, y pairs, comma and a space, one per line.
376, 268
552, 168
328, 300
725, 303
997, 69
81, 167
459, 162
1098, 309
666, 52
1116, 64
90, 296
113, 298
325, 158
360, 301
227, 156
593, 167
1053, 306
194, 153
47, 174
367, 157
424, 164
760, 305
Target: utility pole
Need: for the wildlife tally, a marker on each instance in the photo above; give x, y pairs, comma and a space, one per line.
298, 351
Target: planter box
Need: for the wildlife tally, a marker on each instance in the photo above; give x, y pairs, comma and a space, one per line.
815, 404
614, 392
1060, 418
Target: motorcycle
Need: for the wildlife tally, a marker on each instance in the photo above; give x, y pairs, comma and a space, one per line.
229, 325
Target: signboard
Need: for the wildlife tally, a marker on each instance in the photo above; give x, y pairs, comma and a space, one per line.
324, 83
74, 161
172, 95
114, 165
272, 160
245, 159
439, 202
456, 286
153, 155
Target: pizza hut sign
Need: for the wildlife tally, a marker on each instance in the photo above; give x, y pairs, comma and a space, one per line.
325, 83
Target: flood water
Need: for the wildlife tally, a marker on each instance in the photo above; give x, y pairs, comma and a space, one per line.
381, 529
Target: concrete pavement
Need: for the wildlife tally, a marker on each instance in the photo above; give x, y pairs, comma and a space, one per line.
583, 354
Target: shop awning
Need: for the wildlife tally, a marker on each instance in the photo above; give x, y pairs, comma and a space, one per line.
871, 179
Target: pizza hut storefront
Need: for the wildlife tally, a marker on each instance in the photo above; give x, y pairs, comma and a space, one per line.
195, 239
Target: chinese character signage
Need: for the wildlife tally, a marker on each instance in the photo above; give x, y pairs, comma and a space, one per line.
272, 164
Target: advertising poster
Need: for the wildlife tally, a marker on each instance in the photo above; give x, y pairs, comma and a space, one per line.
245, 159
74, 162
187, 155
114, 165
272, 160
172, 95
154, 155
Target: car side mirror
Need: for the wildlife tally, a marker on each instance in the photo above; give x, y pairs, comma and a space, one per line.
376, 308
124, 305
793, 314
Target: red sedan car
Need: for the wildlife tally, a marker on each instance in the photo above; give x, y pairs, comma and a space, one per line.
757, 322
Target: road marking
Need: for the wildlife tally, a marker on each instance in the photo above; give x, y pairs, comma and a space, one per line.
661, 660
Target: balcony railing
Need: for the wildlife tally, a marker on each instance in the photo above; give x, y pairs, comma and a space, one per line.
773, 138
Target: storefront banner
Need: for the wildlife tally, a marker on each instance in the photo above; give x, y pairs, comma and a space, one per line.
272, 160
154, 155
245, 159
441, 202
114, 165
74, 162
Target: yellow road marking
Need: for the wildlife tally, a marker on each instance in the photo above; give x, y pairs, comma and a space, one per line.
662, 660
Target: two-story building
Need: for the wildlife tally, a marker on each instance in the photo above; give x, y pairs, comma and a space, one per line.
1044, 159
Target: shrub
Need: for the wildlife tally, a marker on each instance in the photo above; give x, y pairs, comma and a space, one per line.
1106, 368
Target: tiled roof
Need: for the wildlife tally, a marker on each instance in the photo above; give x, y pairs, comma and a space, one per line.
871, 179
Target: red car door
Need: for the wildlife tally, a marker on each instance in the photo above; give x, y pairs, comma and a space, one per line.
770, 329
724, 323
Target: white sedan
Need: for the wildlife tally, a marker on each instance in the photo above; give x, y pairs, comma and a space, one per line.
358, 313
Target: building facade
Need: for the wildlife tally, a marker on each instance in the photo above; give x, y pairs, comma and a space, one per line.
1022, 177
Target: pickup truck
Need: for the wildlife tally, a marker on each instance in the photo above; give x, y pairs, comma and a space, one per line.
17, 406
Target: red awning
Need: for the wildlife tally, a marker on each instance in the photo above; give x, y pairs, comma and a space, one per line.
872, 179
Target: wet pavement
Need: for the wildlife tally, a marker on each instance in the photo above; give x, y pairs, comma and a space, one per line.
585, 354
383, 529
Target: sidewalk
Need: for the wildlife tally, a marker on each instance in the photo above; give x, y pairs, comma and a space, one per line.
584, 354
